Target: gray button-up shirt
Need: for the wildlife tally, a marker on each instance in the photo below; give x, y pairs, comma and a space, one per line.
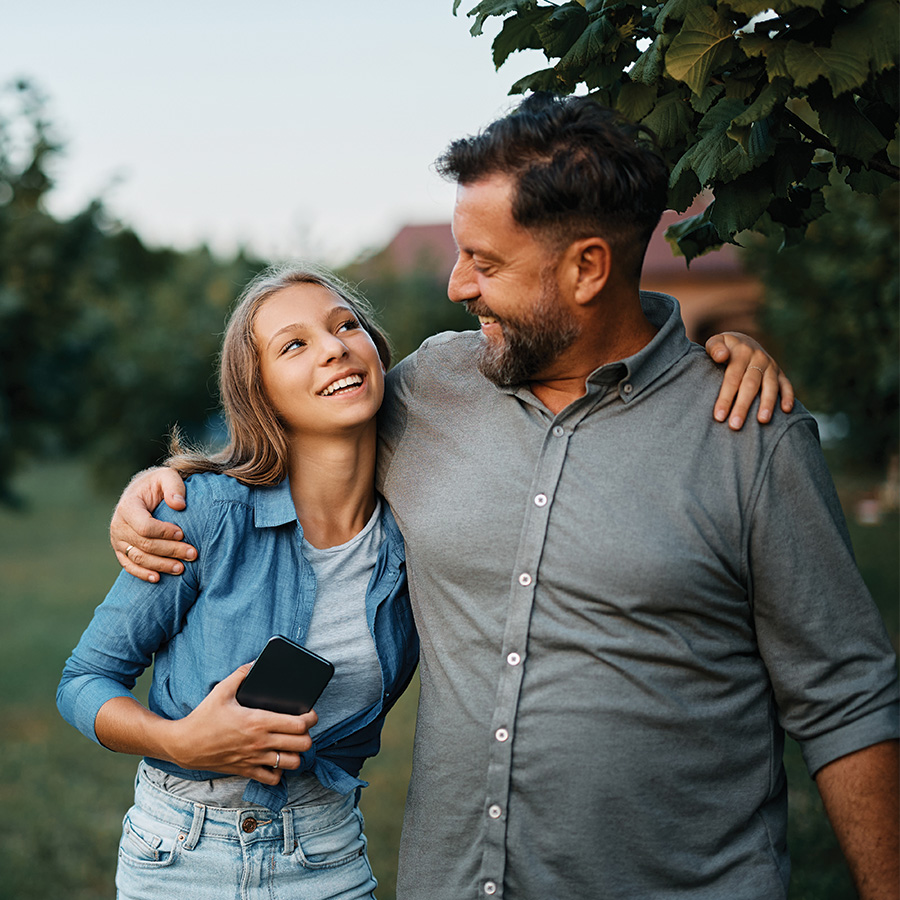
620, 608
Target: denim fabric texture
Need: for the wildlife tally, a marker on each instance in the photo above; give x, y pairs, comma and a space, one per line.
173, 848
249, 582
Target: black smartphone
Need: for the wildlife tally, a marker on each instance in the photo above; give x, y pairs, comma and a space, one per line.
286, 678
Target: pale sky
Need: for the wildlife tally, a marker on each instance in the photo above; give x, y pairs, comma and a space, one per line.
299, 128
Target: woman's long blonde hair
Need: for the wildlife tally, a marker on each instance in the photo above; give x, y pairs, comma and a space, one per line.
257, 449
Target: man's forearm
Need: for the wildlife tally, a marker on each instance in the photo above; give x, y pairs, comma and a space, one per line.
860, 792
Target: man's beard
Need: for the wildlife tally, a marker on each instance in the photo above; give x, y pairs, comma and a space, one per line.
530, 343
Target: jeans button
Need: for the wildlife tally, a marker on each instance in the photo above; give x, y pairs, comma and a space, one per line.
248, 826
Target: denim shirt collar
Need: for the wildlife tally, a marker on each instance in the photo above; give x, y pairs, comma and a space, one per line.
272, 504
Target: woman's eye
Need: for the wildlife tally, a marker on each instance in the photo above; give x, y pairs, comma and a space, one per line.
295, 344
349, 325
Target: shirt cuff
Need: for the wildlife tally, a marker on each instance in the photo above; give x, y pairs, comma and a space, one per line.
91, 696
881, 725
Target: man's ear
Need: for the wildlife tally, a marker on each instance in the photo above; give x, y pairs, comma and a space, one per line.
590, 261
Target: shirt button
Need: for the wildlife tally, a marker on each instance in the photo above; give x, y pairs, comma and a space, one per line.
524, 579
558, 431
248, 826
514, 659
540, 500
490, 888
494, 811
501, 734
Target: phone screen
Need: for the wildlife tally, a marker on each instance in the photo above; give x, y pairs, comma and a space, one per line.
286, 678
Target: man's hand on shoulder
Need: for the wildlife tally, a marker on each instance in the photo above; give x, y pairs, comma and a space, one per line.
143, 545
749, 371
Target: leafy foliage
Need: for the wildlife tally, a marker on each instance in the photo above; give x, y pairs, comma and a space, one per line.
839, 290
757, 101
105, 343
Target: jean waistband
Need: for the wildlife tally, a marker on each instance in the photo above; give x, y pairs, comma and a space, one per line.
248, 824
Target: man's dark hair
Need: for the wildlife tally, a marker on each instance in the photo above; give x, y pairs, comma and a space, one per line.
579, 168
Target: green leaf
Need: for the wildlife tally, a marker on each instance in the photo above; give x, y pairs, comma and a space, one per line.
772, 51
851, 133
704, 43
871, 32
518, 33
716, 157
649, 66
635, 100
704, 101
741, 88
677, 10
788, 6
593, 43
771, 96
543, 80
844, 70
740, 203
561, 29
761, 143
694, 236
749, 8
671, 119
867, 181
488, 8
790, 165
682, 191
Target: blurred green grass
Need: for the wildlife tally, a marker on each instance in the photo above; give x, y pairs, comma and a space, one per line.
62, 798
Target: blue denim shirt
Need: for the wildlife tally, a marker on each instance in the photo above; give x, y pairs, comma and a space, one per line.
249, 582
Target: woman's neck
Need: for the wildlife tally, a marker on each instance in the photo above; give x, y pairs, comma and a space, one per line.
333, 485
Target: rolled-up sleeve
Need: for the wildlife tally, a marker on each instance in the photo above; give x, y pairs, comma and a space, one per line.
134, 620
831, 664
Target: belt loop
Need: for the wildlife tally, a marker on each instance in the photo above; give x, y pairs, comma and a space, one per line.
196, 827
287, 818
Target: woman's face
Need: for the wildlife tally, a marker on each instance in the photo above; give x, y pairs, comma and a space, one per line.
320, 369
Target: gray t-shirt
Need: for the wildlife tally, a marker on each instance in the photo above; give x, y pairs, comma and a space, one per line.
620, 607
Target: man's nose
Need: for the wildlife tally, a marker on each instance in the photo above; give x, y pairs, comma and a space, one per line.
462, 285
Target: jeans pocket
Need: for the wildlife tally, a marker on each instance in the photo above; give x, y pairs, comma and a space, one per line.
333, 845
148, 842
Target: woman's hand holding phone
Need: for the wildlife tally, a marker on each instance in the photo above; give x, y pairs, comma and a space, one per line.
220, 735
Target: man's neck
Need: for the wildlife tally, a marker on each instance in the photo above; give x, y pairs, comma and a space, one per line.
608, 337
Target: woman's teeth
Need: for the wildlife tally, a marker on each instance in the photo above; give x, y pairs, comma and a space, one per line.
349, 381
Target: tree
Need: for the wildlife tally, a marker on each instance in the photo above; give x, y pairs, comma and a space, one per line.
44, 335
839, 290
757, 101
105, 343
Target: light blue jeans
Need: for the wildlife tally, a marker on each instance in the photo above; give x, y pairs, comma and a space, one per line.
174, 849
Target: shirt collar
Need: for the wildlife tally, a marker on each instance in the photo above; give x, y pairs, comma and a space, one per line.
272, 504
669, 344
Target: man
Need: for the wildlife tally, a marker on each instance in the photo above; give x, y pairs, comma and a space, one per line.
621, 606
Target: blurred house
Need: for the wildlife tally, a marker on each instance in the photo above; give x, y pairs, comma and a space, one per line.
715, 293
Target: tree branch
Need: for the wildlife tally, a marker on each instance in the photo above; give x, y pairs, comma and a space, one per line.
821, 142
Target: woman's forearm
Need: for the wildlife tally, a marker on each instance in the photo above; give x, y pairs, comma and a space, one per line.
125, 726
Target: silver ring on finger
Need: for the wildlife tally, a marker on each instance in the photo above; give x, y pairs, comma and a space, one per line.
277, 760
758, 369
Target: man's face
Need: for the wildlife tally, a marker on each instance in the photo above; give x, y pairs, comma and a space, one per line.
507, 278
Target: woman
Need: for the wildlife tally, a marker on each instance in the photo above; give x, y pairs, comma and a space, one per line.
295, 542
